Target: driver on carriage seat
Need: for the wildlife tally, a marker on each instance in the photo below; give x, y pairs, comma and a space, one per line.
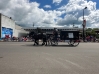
55, 33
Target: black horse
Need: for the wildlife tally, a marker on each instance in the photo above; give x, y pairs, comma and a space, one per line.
37, 36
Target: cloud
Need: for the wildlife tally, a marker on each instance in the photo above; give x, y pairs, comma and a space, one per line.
47, 6
26, 13
4, 4
57, 1
74, 13
68, 20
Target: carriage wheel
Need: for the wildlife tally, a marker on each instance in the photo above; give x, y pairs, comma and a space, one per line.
53, 42
73, 43
49, 43
76, 43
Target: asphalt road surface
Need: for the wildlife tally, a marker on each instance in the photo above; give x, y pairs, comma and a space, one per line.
24, 58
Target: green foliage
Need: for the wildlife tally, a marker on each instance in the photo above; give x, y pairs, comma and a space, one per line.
92, 32
89, 29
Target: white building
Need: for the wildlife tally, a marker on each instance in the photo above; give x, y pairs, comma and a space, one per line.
8, 27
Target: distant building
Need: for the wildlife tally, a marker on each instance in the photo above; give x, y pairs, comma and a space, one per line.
9, 27
50, 29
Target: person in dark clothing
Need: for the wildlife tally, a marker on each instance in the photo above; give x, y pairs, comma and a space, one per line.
55, 33
44, 38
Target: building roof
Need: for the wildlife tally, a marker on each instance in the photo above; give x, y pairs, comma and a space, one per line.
7, 17
49, 28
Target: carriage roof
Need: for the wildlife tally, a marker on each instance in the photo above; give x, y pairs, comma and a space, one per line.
71, 30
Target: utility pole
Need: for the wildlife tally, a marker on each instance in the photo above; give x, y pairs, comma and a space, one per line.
73, 25
33, 25
83, 25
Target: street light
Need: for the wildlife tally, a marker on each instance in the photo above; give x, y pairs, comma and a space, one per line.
73, 25
33, 25
83, 25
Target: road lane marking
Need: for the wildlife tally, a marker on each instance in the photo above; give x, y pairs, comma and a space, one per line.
75, 64
49, 60
47, 53
56, 61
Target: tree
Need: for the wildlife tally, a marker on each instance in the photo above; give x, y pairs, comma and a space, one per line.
88, 31
92, 31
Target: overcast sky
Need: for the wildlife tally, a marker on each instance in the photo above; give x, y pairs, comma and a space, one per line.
51, 13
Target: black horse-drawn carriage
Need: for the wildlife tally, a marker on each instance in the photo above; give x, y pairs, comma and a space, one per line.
71, 37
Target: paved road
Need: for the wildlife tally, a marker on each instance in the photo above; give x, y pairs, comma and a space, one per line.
24, 58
